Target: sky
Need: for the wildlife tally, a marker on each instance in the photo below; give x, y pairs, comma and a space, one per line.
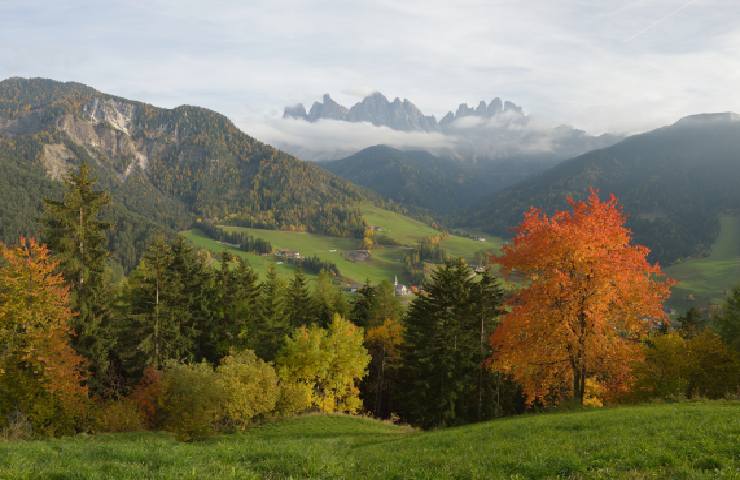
619, 66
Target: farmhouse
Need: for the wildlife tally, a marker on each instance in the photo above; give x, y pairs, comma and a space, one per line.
287, 254
358, 255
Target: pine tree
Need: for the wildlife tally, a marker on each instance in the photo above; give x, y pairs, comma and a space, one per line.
247, 304
198, 297
298, 307
159, 322
728, 322
328, 300
76, 236
236, 295
441, 351
488, 298
271, 324
363, 305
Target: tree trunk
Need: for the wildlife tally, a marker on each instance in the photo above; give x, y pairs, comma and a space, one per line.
156, 325
82, 248
480, 370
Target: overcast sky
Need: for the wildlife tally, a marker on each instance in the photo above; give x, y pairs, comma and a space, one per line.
614, 65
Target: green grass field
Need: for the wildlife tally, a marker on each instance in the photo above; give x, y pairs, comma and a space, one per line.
385, 263
710, 278
675, 441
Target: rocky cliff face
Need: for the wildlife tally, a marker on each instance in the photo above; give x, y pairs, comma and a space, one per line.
163, 166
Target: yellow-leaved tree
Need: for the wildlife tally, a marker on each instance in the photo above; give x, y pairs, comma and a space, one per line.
327, 363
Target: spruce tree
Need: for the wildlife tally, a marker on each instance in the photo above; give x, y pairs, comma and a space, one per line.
298, 307
76, 235
488, 299
442, 352
246, 304
328, 299
160, 326
236, 296
271, 325
728, 321
362, 307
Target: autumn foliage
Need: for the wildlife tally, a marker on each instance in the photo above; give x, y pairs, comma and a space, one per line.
40, 374
589, 297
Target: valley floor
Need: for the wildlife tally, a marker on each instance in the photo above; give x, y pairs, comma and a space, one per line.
682, 441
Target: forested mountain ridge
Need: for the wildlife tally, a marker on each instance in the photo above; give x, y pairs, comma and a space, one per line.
419, 179
673, 183
163, 167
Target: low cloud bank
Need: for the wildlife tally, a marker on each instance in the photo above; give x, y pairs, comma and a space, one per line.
471, 138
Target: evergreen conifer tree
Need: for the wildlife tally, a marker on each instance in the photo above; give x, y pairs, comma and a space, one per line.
76, 236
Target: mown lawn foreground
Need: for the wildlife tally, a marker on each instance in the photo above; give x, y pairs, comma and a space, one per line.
683, 441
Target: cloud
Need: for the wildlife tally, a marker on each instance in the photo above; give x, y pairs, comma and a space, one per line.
566, 61
331, 140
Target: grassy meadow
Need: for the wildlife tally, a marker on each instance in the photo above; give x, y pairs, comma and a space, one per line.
708, 279
677, 441
385, 264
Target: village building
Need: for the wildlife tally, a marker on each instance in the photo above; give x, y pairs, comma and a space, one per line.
287, 254
400, 289
358, 255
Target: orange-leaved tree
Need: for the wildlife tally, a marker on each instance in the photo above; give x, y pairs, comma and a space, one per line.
589, 297
40, 374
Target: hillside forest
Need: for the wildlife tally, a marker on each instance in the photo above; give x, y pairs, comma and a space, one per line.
195, 345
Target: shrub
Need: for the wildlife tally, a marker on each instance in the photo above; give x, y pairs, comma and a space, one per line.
715, 369
293, 398
663, 373
189, 404
249, 387
119, 416
146, 395
17, 427
674, 367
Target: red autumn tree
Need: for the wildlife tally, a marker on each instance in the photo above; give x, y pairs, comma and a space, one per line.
589, 297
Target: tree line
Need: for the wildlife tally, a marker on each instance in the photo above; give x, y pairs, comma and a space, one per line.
241, 240
194, 346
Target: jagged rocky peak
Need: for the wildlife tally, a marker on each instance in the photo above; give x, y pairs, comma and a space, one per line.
495, 107
512, 107
328, 109
397, 114
297, 111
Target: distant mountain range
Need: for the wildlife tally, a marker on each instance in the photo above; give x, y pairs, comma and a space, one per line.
491, 132
163, 167
673, 183
397, 114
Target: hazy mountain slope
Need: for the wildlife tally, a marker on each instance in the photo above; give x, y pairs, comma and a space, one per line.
418, 179
163, 166
673, 183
